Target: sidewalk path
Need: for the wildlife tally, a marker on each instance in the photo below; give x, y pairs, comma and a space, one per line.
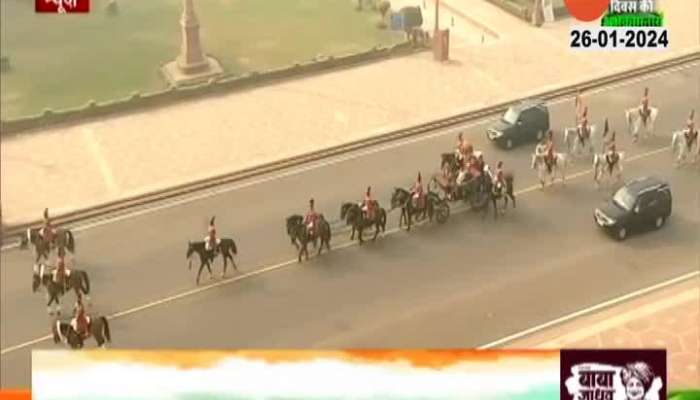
66, 168
667, 319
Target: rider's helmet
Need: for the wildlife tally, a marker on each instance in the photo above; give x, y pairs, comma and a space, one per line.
607, 126
499, 165
311, 204
369, 191
46, 216
646, 91
585, 111
420, 180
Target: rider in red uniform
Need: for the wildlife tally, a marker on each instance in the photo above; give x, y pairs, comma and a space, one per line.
369, 203
61, 268
81, 319
311, 218
644, 110
211, 237
549, 156
499, 174
691, 134
48, 232
418, 193
583, 131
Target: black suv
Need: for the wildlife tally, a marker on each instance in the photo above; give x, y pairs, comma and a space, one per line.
639, 204
528, 121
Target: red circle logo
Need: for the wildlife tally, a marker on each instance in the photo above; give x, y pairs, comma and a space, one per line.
587, 10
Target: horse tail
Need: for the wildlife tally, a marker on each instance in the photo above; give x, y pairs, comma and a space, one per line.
85, 280
105, 328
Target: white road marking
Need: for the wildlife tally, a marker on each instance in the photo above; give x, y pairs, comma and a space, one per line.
585, 311
620, 319
106, 171
289, 263
338, 159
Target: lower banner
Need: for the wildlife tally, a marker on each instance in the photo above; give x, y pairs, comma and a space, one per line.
351, 374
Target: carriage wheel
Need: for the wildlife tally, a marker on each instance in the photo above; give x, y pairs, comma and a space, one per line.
443, 212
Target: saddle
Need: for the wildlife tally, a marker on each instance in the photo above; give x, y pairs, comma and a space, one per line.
88, 324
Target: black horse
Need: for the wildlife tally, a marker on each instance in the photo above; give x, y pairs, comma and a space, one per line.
42, 248
63, 332
433, 204
300, 235
354, 216
497, 192
226, 247
78, 281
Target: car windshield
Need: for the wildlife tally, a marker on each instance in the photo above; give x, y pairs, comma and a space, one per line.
511, 116
624, 199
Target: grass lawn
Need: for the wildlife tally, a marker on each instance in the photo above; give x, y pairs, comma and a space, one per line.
63, 61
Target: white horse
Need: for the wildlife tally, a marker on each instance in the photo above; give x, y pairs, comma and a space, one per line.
603, 171
578, 146
681, 149
633, 117
561, 161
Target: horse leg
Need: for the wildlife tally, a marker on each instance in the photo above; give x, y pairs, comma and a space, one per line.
301, 251
359, 235
199, 273
223, 255
495, 207
376, 231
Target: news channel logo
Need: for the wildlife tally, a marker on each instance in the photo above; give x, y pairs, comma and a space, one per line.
617, 13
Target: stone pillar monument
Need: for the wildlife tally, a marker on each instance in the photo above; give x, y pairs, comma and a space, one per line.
192, 65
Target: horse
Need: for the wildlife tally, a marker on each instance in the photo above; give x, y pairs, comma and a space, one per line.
682, 151
634, 121
75, 279
300, 236
433, 204
354, 216
226, 247
498, 192
577, 144
98, 328
561, 162
601, 165
42, 249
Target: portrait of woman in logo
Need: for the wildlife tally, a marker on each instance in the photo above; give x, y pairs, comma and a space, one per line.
640, 382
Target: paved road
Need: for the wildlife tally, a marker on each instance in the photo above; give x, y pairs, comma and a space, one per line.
462, 284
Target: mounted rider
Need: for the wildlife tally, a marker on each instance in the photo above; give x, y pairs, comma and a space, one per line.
48, 231
464, 149
311, 219
644, 110
368, 205
691, 134
211, 242
549, 151
612, 157
81, 321
418, 194
61, 272
583, 128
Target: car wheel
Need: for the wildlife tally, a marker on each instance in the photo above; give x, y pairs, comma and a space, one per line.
509, 143
621, 233
659, 222
540, 135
